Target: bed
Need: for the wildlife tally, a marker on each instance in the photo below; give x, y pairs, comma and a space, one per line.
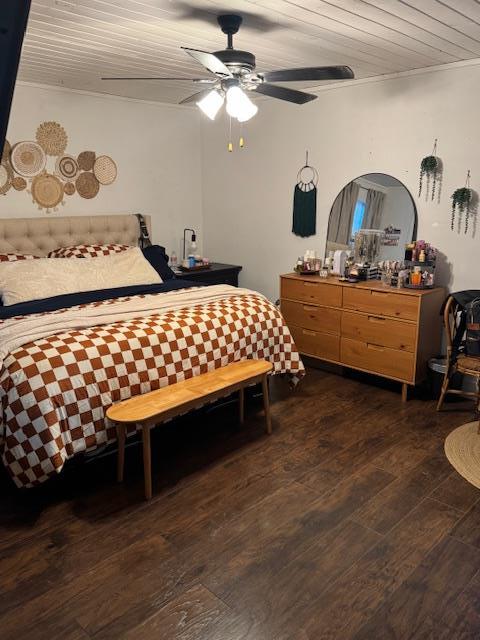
65, 360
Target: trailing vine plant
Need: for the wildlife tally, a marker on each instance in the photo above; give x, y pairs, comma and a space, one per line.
431, 169
461, 203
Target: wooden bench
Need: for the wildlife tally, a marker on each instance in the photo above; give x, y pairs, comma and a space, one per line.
149, 409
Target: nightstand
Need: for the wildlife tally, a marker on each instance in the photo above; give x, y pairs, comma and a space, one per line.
217, 274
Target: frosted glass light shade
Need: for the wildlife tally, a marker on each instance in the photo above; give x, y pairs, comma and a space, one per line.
248, 112
211, 103
239, 105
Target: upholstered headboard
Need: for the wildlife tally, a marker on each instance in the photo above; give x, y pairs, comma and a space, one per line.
39, 236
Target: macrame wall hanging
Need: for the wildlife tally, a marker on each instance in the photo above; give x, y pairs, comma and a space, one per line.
464, 206
305, 201
431, 169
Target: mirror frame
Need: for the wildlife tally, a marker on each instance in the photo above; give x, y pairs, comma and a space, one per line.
363, 175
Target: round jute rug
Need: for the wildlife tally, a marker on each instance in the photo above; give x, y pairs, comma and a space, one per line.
462, 448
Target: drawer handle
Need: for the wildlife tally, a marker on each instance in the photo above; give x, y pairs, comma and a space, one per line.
307, 308
310, 284
306, 332
379, 294
375, 347
376, 319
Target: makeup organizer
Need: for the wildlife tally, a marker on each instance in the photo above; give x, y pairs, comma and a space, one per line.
415, 271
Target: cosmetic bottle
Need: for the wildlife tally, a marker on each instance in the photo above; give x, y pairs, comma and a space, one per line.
416, 276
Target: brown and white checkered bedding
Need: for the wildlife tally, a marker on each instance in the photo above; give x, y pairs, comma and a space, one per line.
55, 390
88, 250
13, 257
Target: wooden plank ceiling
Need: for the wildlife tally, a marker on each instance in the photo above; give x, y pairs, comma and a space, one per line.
75, 42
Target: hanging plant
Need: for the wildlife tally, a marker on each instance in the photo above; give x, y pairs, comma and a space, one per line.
431, 168
461, 201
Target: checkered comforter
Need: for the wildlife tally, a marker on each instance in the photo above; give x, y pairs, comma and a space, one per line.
55, 390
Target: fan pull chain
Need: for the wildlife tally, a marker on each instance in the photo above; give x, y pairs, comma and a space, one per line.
241, 142
230, 143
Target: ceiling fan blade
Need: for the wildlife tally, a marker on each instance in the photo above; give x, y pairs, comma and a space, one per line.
308, 73
283, 93
206, 80
209, 61
196, 97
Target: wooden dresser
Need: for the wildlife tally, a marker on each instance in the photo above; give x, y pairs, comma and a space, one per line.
365, 326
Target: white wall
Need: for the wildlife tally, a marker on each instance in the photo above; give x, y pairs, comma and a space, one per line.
244, 199
383, 126
157, 149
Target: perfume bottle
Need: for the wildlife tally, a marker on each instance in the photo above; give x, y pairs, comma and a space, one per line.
416, 277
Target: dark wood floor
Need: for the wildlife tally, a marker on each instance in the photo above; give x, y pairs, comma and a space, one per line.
348, 522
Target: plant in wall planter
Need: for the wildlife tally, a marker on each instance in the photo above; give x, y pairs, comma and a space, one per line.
431, 170
463, 204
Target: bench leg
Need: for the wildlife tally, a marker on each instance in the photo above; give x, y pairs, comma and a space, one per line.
241, 405
147, 461
121, 434
266, 404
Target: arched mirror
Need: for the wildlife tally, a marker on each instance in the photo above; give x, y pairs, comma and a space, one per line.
373, 201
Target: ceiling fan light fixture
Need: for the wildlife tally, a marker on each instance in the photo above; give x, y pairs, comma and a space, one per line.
248, 112
211, 104
239, 104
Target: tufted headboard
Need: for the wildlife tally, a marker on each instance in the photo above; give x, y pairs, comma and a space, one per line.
39, 236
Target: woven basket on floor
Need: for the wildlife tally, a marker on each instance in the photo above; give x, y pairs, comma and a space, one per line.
462, 448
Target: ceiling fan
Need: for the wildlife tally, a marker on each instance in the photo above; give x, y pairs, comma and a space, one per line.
235, 75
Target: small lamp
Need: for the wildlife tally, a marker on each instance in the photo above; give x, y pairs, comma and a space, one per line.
193, 240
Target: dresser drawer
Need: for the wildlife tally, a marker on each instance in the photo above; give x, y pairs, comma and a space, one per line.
391, 363
329, 295
321, 319
315, 343
382, 303
379, 330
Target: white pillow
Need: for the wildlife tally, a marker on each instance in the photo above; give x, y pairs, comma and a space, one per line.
26, 280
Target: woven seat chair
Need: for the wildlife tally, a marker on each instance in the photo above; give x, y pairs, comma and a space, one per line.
466, 365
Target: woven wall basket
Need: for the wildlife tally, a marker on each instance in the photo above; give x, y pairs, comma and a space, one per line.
47, 191
69, 188
87, 185
52, 137
19, 183
86, 160
66, 167
28, 159
6, 177
105, 170
6, 151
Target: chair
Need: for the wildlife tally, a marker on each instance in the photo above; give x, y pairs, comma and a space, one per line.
457, 363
